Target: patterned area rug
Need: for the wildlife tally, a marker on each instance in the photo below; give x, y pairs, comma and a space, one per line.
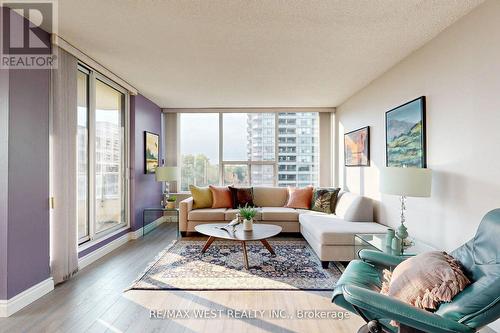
181, 266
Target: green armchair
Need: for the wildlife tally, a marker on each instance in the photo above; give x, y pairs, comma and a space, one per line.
358, 290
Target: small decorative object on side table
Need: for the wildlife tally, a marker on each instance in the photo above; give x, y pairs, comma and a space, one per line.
171, 200
379, 242
159, 212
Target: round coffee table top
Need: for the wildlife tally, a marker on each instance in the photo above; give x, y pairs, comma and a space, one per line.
260, 231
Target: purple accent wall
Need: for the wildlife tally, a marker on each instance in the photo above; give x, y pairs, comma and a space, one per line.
24, 237
4, 110
101, 244
28, 191
144, 190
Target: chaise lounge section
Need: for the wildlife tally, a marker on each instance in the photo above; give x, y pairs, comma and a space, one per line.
331, 236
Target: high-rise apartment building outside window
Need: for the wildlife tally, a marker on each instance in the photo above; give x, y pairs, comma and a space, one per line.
279, 149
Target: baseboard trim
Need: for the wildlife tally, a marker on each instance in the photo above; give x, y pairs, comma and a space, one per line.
148, 227
153, 225
102, 251
136, 234
113, 245
16, 303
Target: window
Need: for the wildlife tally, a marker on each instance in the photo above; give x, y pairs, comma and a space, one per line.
298, 147
256, 149
101, 160
109, 177
263, 175
236, 175
199, 149
82, 154
248, 154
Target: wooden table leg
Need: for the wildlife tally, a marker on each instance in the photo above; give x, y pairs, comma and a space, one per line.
268, 246
245, 255
210, 240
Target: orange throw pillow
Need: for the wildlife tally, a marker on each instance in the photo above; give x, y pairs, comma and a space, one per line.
300, 197
222, 197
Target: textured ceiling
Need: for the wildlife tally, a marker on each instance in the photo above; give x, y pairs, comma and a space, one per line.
243, 53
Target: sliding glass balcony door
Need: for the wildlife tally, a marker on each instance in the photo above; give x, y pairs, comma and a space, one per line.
102, 187
83, 155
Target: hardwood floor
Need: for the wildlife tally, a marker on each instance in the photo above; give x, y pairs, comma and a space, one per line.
94, 301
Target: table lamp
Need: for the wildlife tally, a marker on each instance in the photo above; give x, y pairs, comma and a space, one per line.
405, 182
166, 174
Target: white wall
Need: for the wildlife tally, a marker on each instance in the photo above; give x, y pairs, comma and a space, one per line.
459, 73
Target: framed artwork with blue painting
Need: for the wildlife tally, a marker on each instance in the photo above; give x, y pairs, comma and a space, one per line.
405, 135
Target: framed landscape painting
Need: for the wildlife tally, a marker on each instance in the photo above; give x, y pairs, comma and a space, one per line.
357, 147
151, 152
405, 135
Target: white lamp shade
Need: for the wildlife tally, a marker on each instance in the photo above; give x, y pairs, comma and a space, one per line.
411, 182
166, 174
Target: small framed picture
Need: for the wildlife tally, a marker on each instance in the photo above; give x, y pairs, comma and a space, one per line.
357, 147
151, 152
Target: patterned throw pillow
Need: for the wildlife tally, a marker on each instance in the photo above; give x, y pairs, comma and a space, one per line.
242, 196
202, 197
324, 200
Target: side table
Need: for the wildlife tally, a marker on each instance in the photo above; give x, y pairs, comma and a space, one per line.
158, 212
378, 242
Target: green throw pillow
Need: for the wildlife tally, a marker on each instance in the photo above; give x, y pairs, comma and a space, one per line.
324, 200
202, 197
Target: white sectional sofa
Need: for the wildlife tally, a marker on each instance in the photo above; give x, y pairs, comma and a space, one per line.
331, 236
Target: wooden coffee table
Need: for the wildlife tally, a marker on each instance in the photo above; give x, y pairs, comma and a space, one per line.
260, 233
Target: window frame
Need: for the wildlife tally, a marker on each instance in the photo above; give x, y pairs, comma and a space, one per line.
275, 163
86, 238
93, 236
248, 163
179, 149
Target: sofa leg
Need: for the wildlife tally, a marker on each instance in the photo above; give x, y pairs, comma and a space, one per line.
325, 264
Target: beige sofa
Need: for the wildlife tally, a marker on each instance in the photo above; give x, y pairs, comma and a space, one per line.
330, 236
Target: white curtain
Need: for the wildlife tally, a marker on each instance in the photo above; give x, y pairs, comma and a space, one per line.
63, 228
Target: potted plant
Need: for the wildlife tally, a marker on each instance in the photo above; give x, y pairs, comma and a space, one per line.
248, 213
171, 202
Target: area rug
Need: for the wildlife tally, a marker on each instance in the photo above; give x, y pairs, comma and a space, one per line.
182, 266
